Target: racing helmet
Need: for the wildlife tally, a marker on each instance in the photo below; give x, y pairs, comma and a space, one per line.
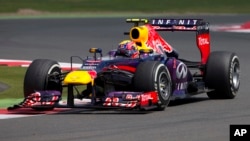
127, 48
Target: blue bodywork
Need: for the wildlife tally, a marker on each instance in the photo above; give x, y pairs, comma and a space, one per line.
180, 73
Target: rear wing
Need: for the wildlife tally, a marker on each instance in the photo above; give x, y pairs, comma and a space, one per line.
174, 24
180, 25
197, 25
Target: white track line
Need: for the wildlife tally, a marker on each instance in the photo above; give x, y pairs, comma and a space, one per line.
9, 116
25, 63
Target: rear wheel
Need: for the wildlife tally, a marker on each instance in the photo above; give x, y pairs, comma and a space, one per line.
223, 75
42, 74
154, 76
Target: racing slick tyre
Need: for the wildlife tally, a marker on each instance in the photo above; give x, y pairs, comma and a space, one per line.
42, 74
223, 75
154, 76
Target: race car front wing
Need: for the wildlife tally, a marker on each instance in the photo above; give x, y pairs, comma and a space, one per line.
114, 100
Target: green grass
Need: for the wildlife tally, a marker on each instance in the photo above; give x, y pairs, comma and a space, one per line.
146, 6
13, 78
8, 102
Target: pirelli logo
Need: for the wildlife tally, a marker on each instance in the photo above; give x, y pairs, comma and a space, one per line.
239, 132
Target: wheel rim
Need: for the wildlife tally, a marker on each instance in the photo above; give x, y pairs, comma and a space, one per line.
164, 86
53, 80
235, 75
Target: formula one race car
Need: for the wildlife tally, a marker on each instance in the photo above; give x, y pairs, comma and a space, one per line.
143, 73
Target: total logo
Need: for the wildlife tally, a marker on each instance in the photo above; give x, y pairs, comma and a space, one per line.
203, 41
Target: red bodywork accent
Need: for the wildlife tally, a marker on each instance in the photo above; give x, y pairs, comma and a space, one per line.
203, 43
127, 68
149, 98
35, 99
121, 67
155, 41
93, 74
132, 100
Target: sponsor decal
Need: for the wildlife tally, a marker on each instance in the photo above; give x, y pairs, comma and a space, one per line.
181, 86
89, 67
145, 97
131, 97
90, 64
203, 41
181, 71
190, 22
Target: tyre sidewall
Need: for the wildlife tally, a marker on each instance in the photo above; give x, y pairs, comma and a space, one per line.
147, 78
36, 77
219, 75
159, 72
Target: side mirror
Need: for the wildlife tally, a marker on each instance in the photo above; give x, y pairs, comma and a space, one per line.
96, 50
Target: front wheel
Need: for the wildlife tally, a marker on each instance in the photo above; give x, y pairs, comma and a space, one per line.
41, 75
223, 75
154, 76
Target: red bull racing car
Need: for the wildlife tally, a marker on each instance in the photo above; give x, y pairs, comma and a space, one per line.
143, 73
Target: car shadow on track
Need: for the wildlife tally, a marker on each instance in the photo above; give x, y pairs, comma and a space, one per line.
94, 111
179, 102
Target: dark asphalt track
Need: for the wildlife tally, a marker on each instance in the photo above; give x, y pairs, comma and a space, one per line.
196, 119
